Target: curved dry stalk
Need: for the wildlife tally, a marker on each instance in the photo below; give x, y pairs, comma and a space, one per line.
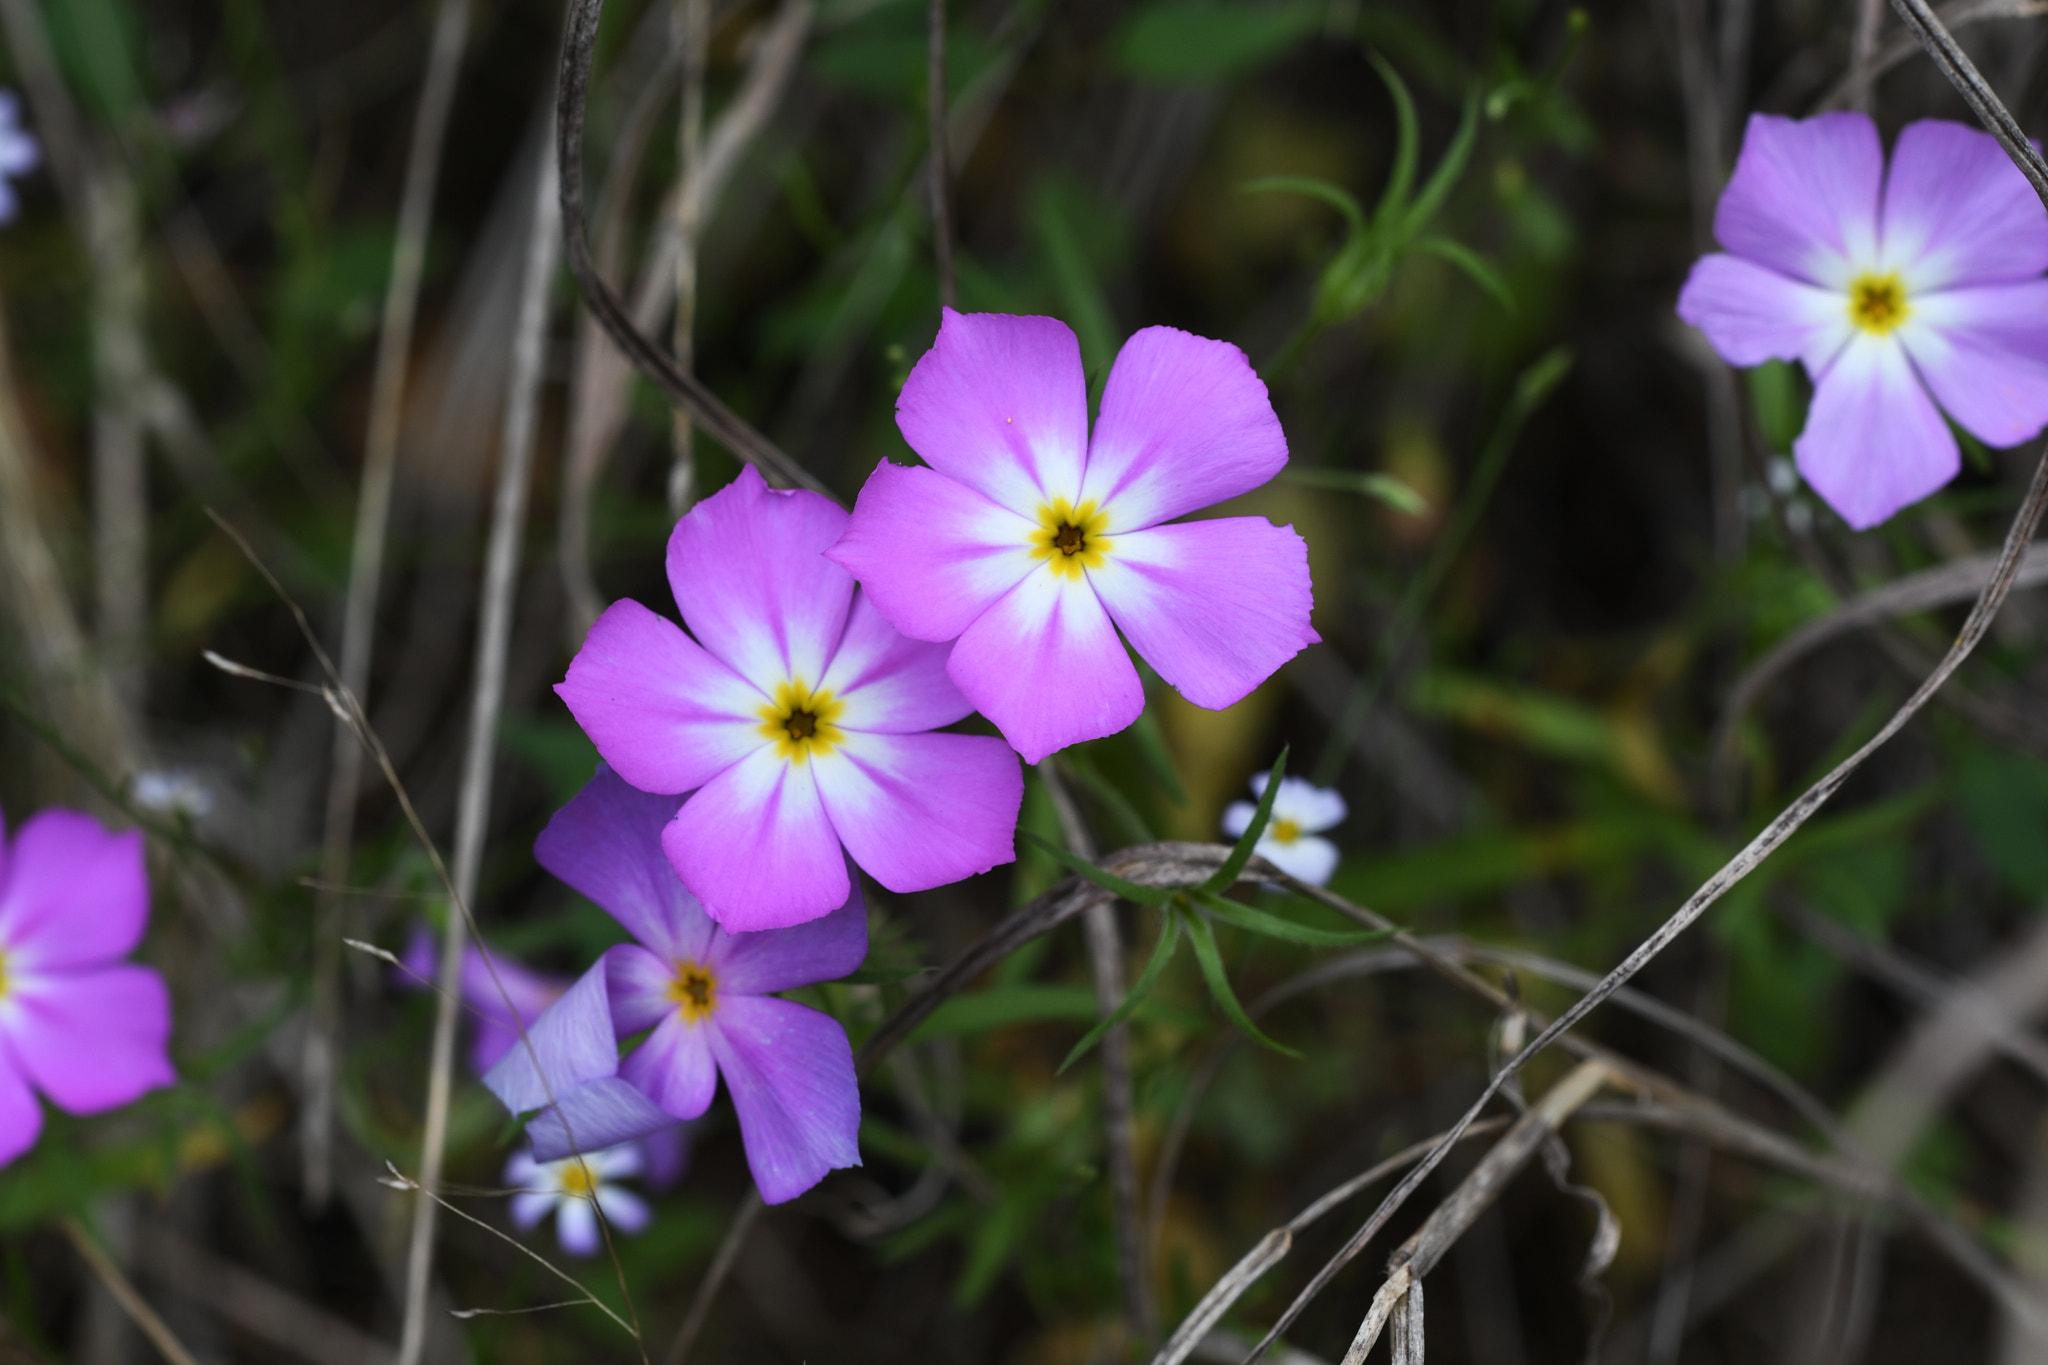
722, 1262
124, 1292
1852, 91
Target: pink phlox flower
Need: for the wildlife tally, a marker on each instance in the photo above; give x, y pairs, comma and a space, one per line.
20, 153
708, 997
574, 1189
801, 718
496, 1032
1029, 543
78, 1023
1292, 838
1897, 290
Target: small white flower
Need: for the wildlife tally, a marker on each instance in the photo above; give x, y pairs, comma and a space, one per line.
19, 152
574, 1189
1301, 811
169, 791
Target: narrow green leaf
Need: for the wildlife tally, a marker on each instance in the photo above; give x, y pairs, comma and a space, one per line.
1204, 939
1385, 487
1394, 199
1155, 896
1158, 758
1445, 177
1472, 263
1337, 198
1155, 967
1273, 926
1226, 876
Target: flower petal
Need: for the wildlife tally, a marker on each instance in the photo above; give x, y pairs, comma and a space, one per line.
75, 893
790, 1071
529, 1208
1046, 666
755, 845
919, 811
528, 991
1751, 313
572, 1041
890, 683
1215, 606
1185, 423
1984, 353
748, 568
626, 1211
1957, 211
606, 843
668, 1154
673, 1067
637, 982
1001, 404
783, 959
91, 1040
21, 1118
1873, 442
594, 1115
661, 710
1310, 858
576, 1227
1804, 197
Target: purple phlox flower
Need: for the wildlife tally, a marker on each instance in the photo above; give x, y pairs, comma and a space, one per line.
79, 1024
801, 718
1897, 290
1029, 544
574, 1189
707, 995
1301, 812
497, 1033
19, 153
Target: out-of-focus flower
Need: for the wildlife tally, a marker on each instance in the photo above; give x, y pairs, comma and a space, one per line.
708, 997
1301, 812
574, 1189
20, 153
1897, 290
76, 1022
173, 791
497, 1033
1030, 544
797, 713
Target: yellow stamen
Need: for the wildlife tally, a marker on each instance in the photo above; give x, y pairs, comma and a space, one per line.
1069, 538
1283, 831
800, 721
694, 991
1877, 303
3, 974
577, 1180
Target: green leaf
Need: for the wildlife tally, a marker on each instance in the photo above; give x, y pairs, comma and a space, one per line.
1472, 263
1335, 196
1394, 199
1155, 967
1226, 876
1385, 487
1155, 896
1445, 177
1199, 42
1273, 926
1204, 939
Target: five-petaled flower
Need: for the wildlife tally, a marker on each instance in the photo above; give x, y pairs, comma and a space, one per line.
1030, 544
801, 718
709, 998
1886, 286
574, 1189
1301, 812
86, 1028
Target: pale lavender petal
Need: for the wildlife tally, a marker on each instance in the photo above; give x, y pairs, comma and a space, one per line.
919, 811
21, 1118
1751, 313
76, 893
783, 959
1804, 197
1185, 423
1310, 857
1001, 404
1214, 606
600, 1113
618, 1163
790, 1071
1957, 211
638, 983
606, 843
673, 1067
1873, 442
755, 846
576, 1227
668, 1154
573, 1042
748, 568
931, 552
529, 992
890, 683
1984, 352
91, 1040
659, 708
1047, 667
528, 1209
626, 1211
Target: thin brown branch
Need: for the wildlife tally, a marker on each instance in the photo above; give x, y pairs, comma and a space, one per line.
714, 1279
125, 1293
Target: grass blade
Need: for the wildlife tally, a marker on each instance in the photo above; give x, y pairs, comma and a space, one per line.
1226, 876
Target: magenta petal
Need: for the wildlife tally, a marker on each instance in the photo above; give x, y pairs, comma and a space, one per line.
21, 1118
1214, 606
790, 1071
75, 893
1804, 196
1185, 423
659, 708
748, 568
1001, 404
1873, 442
1957, 211
756, 847
606, 843
593, 1116
919, 811
673, 1067
572, 1042
1047, 667
931, 553
890, 683
91, 1040
1751, 313
783, 959
1984, 352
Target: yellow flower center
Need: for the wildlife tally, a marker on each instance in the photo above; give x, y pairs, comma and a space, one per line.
577, 1180
1069, 538
800, 721
1877, 303
1283, 831
694, 991
3, 975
